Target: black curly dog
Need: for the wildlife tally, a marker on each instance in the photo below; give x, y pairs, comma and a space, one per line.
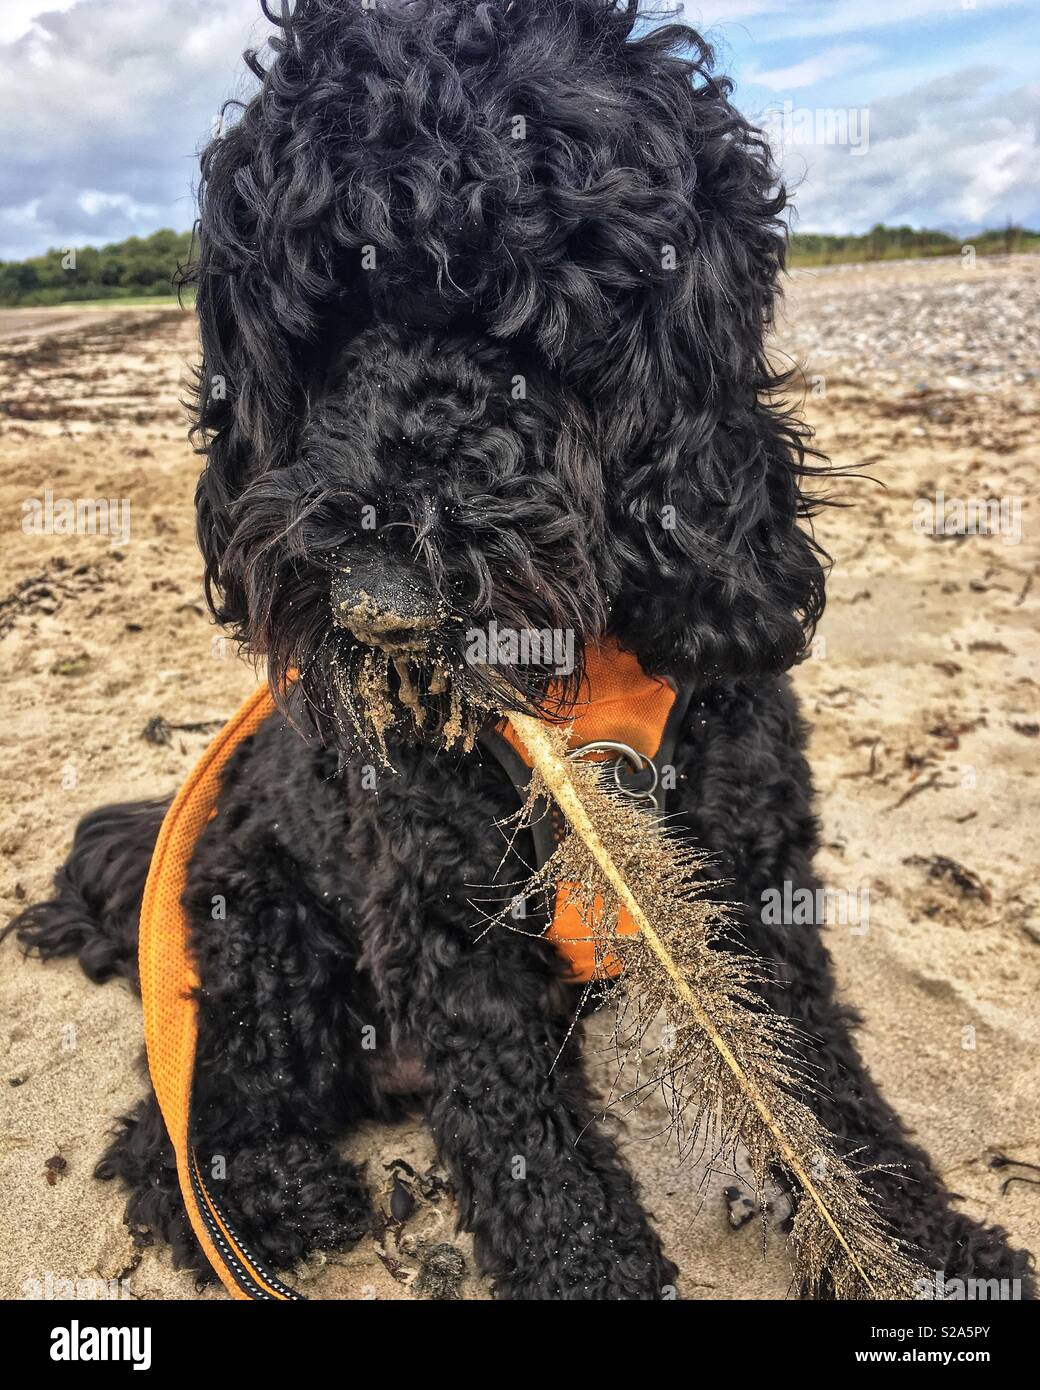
483, 290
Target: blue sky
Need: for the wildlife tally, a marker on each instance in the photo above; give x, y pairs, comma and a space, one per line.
943, 93
918, 111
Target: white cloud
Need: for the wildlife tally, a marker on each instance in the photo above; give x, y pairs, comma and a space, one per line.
946, 154
23, 216
103, 108
17, 16
94, 202
818, 67
104, 103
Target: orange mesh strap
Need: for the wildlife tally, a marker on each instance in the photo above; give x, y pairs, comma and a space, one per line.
168, 979
625, 705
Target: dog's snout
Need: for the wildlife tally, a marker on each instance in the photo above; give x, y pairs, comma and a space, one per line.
383, 608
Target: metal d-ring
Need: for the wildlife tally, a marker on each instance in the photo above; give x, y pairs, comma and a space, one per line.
638, 762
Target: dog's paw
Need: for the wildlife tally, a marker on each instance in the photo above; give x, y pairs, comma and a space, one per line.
742, 1206
612, 1272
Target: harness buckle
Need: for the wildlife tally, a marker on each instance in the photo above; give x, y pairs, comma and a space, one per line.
638, 762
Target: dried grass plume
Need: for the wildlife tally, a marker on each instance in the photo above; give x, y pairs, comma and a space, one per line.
734, 1069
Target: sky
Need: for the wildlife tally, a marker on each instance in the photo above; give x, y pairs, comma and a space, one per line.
924, 112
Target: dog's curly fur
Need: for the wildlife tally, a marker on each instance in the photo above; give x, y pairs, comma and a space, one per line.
497, 275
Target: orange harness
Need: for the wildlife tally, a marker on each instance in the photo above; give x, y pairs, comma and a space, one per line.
627, 708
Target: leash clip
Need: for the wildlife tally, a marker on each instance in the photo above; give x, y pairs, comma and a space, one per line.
637, 761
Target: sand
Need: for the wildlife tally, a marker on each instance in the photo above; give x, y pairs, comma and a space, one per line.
921, 696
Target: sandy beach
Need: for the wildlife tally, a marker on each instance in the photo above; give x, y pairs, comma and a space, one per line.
922, 689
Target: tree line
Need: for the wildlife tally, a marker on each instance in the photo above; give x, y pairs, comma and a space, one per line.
147, 266
139, 266
883, 243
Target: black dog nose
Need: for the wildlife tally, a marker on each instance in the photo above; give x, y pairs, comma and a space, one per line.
382, 607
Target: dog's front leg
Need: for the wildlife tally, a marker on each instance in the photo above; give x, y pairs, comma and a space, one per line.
554, 1212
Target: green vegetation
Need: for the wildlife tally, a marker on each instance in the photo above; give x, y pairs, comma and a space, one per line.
903, 243
138, 269
141, 270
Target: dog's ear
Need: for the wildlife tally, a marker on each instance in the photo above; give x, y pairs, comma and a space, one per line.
273, 296
247, 384
705, 465
261, 313
720, 579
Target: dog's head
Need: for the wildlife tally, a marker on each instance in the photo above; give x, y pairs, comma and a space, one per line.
483, 290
